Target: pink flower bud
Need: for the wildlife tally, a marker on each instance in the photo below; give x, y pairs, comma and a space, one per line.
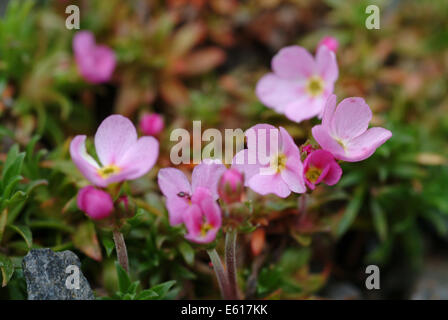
308, 149
230, 186
151, 124
97, 204
330, 42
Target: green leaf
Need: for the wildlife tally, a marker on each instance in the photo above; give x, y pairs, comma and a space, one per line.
379, 219
163, 288
124, 282
351, 211
187, 252
3, 220
108, 245
147, 294
25, 233
7, 269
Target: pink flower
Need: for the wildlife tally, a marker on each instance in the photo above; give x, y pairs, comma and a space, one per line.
96, 63
97, 204
202, 217
330, 42
230, 186
178, 191
151, 124
344, 132
122, 155
299, 84
320, 166
271, 164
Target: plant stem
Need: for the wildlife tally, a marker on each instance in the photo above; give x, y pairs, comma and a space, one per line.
231, 262
120, 247
220, 274
302, 205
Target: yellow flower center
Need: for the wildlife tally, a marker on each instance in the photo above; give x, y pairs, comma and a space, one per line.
206, 227
315, 86
278, 162
312, 174
107, 171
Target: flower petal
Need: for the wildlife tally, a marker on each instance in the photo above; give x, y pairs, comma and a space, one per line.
206, 175
365, 145
276, 92
269, 183
326, 65
172, 181
83, 42
323, 138
240, 162
84, 162
140, 158
351, 118
334, 174
293, 177
177, 208
115, 135
293, 62
330, 107
304, 108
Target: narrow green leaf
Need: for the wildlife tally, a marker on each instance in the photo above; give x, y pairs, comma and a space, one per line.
351, 211
163, 288
6, 268
379, 219
187, 252
123, 278
25, 233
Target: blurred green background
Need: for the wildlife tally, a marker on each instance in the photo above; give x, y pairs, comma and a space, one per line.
200, 60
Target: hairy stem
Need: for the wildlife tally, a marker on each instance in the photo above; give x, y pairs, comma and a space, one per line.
120, 247
231, 262
220, 274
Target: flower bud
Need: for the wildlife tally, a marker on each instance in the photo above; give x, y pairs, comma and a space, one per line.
97, 204
151, 124
230, 186
330, 42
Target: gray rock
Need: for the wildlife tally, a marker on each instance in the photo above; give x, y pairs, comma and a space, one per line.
53, 276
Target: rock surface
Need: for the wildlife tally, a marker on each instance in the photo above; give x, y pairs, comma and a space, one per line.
54, 276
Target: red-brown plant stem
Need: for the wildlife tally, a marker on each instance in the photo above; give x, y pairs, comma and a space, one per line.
220, 274
120, 247
231, 263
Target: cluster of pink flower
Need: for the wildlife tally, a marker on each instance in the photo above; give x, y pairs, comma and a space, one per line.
300, 86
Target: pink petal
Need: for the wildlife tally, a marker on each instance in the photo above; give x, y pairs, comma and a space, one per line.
330, 107
365, 145
240, 162
276, 92
304, 108
172, 181
177, 208
193, 220
351, 118
289, 148
265, 184
334, 174
83, 42
293, 62
140, 158
84, 162
326, 65
263, 141
293, 177
206, 175
115, 135
323, 138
